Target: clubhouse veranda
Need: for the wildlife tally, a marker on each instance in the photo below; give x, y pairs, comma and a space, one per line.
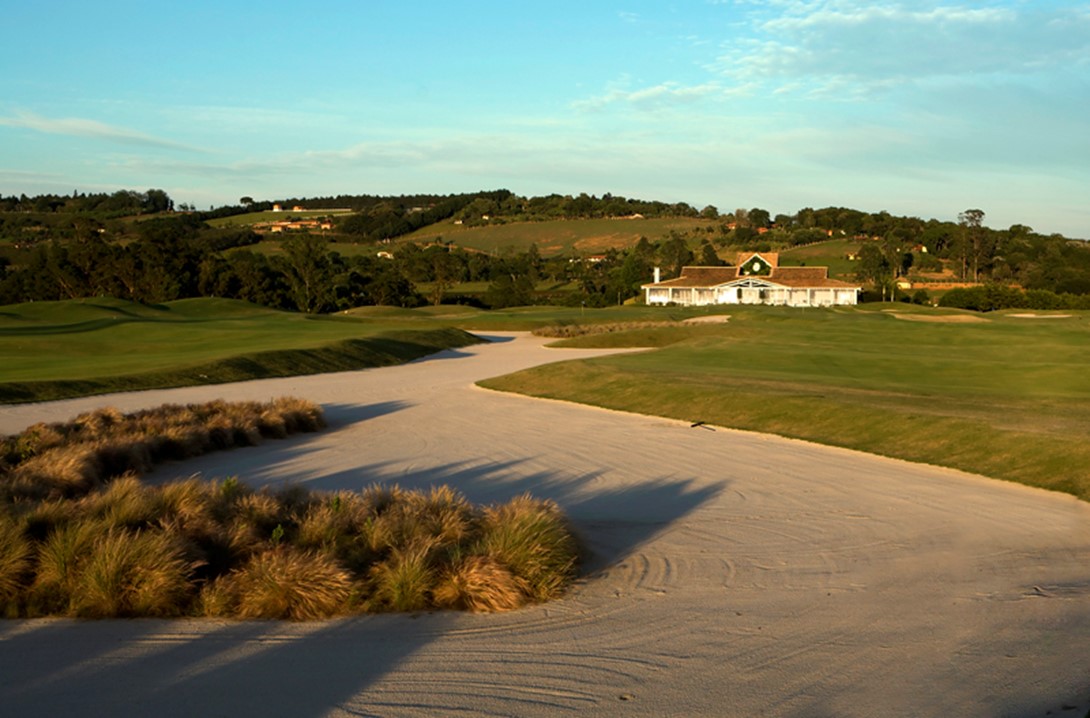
756, 278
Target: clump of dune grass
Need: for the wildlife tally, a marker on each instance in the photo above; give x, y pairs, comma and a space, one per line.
479, 584
530, 538
282, 582
72, 458
404, 580
16, 553
568, 331
82, 536
132, 573
222, 549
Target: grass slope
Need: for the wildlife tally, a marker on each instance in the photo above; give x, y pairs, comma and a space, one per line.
252, 218
1006, 397
832, 254
52, 350
561, 236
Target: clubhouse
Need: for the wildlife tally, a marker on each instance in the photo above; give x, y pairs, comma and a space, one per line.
756, 278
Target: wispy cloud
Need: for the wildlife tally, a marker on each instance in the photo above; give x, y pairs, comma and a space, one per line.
821, 44
663, 95
81, 127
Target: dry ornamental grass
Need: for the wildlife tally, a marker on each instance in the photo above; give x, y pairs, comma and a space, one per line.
82, 536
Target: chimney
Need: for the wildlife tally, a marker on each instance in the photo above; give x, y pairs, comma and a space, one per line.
658, 275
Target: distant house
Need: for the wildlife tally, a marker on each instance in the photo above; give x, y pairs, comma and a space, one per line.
277, 208
757, 278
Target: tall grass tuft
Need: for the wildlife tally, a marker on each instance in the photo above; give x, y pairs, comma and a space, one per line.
299, 415
131, 573
479, 584
125, 503
445, 514
60, 559
16, 553
531, 539
98, 422
404, 580
65, 471
281, 583
340, 524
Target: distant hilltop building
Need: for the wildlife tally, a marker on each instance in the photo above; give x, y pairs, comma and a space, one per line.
288, 225
756, 279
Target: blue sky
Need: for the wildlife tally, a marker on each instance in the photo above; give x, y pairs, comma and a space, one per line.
920, 108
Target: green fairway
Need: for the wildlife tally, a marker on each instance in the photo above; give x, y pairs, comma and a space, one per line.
52, 350
1005, 396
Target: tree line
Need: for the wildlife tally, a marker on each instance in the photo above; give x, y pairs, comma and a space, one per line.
179, 256
115, 204
79, 248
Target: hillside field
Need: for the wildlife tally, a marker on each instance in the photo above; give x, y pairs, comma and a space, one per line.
252, 218
562, 236
832, 254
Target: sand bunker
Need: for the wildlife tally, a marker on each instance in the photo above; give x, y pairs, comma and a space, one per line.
711, 319
1040, 316
939, 318
731, 574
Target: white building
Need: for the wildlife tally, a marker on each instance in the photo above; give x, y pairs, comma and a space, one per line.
757, 278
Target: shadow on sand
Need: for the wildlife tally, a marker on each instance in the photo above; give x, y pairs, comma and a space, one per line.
337, 415
207, 667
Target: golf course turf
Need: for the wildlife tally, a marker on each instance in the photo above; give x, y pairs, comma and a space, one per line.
56, 350
1003, 396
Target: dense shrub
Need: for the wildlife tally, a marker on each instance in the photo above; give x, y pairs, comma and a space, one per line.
991, 297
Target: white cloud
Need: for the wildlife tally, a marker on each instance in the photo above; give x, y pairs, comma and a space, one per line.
874, 46
80, 127
663, 95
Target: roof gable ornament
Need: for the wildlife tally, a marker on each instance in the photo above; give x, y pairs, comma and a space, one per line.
755, 266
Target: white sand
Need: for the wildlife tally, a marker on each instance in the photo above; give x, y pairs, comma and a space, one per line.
735, 574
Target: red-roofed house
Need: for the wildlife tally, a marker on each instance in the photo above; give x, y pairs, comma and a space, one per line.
757, 279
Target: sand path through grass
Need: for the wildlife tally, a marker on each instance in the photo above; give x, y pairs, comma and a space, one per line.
732, 574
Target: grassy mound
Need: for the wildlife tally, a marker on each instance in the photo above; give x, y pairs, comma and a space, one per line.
56, 350
82, 536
